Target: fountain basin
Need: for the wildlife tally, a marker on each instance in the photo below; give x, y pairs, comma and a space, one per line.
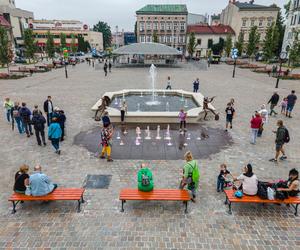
140, 112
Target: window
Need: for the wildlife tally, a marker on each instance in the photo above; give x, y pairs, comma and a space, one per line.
168, 26
142, 26
175, 25
260, 22
142, 39
162, 25
292, 19
198, 41
148, 25
182, 26
181, 39
149, 39
162, 39
269, 21
155, 25
244, 23
168, 39
295, 19
252, 22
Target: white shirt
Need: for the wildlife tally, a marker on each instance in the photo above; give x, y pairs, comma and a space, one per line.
264, 115
249, 184
50, 108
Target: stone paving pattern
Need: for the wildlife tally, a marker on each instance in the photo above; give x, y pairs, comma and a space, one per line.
145, 225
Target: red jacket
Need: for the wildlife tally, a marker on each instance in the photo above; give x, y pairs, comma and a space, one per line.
256, 122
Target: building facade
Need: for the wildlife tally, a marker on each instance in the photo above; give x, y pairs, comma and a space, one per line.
215, 19
167, 22
196, 19
206, 35
129, 38
17, 18
292, 25
241, 17
68, 27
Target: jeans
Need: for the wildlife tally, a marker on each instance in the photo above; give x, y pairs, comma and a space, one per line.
39, 134
182, 124
254, 132
220, 184
191, 187
55, 143
195, 90
8, 115
28, 128
19, 125
49, 118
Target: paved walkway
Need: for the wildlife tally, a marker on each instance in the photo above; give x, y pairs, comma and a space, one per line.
152, 225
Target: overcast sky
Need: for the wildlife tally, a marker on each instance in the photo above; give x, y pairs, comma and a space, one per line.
116, 12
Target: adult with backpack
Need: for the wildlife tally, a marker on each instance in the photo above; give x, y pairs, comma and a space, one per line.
15, 111
282, 137
25, 115
191, 175
39, 121
145, 179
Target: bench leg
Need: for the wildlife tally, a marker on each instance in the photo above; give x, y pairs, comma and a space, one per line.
226, 201
186, 207
78, 206
82, 200
229, 208
122, 209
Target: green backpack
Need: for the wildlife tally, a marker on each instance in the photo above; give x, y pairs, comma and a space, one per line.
195, 174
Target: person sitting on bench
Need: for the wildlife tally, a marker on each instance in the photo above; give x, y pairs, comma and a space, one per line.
145, 179
248, 181
40, 184
292, 184
21, 179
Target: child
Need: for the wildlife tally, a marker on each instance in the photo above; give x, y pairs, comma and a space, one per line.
222, 177
169, 86
62, 120
229, 115
182, 118
283, 105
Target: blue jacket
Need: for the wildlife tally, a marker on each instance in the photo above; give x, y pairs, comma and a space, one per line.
54, 131
40, 184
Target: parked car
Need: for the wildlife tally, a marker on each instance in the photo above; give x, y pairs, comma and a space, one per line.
20, 60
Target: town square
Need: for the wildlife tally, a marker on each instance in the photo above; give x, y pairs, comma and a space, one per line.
145, 144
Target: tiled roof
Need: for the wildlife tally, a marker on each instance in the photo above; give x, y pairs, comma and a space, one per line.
4, 22
163, 8
253, 6
214, 29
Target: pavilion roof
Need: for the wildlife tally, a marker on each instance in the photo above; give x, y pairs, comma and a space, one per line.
146, 49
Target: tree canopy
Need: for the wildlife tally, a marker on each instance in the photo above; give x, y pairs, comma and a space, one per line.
105, 29
63, 40
6, 53
239, 44
228, 45
192, 44
30, 44
73, 44
50, 48
253, 41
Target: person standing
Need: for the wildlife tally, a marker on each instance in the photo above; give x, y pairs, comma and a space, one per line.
106, 136
39, 121
123, 110
273, 103
229, 115
264, 116
25, 115
206, 102
105, 119
62, 120
16, 116
190, 175
109, 66
48, 108
182, 119
282, 136
291, 101
256, 122
169, 86
54, 134
8, 105
196, 85
105, 68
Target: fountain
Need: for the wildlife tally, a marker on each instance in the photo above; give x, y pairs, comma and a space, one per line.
123, 97
186, 103
182, 97
164, 94
158, 133
153, 74
138, 133
116, 101
141, 94
118, 135
167, 107
148, 135
168, 136
121, 143
170, 143
138, 107
137, 142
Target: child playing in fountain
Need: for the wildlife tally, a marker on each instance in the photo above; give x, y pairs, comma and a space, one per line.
222, 178
283, 105
182, 118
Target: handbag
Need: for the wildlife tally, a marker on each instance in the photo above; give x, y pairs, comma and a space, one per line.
28, 191
271, 194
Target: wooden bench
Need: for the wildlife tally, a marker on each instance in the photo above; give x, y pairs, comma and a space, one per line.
59, 194
155, 195
230, 198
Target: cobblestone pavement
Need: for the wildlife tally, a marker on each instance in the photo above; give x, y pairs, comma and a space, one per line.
145, 225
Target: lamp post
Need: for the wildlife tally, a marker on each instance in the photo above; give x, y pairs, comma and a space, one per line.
66, 54
282, 56
234, 55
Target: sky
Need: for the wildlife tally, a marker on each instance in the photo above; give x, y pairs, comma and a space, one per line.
116, 12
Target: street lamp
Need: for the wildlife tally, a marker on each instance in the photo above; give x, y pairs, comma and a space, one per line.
282, 57
234, 55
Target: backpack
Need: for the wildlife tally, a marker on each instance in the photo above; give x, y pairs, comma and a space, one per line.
195, 174
286, 136
238, 194
262, 190
145, 180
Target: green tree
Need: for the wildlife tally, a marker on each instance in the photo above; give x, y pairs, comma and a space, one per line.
281, 30
105, 29
192, 44
239, 44
253, 41
6, 53
29, 44
228, 45
268, 44
294, 52
63, 41
155, 37
50, 48
81, 44
73, 44
210, 43
87, 46
217, 48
